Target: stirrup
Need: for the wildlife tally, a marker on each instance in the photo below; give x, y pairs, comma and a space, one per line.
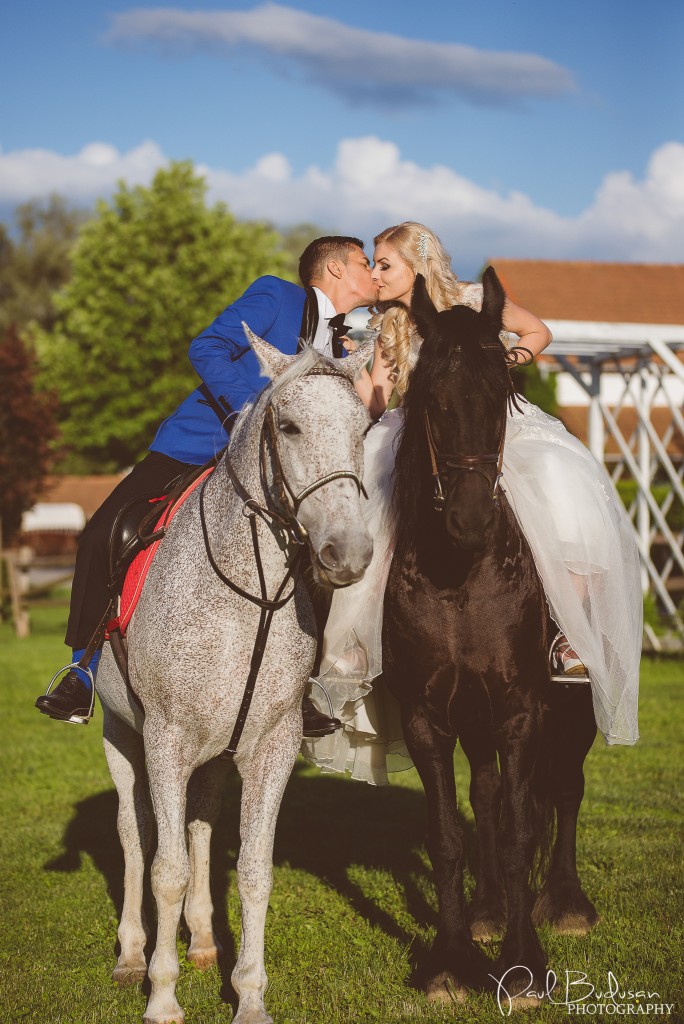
77, 719
327, 695
557, 677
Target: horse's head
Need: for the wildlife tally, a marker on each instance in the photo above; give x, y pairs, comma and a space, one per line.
456, 408
314, 429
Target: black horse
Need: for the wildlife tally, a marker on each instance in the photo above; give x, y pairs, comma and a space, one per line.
465, 650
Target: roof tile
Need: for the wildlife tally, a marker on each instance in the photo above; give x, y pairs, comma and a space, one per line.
586, 291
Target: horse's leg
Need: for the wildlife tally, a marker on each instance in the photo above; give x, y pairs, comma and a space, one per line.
487, 912
455, 963
135, 822
265, 771
168, 773
204, 803
571, 731
520, 743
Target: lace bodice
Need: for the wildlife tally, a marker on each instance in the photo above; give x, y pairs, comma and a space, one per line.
471, 295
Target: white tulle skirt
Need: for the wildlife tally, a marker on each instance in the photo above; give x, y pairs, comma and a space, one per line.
587, 559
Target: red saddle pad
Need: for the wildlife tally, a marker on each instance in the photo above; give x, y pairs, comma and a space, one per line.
139, 567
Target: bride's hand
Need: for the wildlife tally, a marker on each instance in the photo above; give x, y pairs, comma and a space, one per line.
349, 345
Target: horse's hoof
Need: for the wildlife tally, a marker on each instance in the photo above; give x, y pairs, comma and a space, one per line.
125, 976
254, 1016
443, 989
203, 959
575, 924
172, 1018
567, 910
486, 931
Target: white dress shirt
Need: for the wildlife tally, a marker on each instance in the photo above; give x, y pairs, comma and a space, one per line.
322, 341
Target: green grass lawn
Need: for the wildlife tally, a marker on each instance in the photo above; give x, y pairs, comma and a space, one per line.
353, 905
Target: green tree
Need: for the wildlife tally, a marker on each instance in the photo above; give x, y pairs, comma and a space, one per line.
149, 272
26, 428
34, 264
538, 388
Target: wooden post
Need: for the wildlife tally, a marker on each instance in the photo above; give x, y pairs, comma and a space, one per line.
20, 615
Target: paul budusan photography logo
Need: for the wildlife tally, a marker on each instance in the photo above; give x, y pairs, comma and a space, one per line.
582, 997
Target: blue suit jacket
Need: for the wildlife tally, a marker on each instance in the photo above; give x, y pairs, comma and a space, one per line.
222, 357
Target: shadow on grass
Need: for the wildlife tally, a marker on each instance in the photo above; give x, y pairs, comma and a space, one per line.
326, 825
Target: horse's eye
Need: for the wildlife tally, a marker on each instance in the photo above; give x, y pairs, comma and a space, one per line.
289, 428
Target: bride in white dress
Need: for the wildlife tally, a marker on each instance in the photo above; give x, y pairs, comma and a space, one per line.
578, 531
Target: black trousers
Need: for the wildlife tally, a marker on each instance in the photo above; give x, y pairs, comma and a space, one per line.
89, 592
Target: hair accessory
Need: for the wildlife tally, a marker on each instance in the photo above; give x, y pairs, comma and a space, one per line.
423, 246
519, 351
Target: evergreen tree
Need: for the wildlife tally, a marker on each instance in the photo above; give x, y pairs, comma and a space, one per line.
149, 272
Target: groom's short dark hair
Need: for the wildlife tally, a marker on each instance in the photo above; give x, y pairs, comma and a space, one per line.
313, 260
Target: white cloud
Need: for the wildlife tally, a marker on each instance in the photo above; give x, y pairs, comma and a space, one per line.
366, 66
370, 186
83, 177
645, 216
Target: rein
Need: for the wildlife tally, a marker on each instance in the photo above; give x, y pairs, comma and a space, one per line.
286, 518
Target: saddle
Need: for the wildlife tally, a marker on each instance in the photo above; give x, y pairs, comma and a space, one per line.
135, 536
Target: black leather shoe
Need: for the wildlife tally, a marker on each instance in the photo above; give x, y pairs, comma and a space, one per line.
70, 701
315, 722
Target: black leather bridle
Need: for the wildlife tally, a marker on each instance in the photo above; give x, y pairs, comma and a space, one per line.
288, 502
442, 461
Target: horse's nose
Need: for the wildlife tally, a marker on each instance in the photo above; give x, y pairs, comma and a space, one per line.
345, 559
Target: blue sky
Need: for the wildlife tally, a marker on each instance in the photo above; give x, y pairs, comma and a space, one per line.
512, 127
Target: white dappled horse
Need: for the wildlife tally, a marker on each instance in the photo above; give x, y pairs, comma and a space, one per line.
191, 641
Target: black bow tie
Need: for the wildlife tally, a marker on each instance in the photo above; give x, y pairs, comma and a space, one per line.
339, 330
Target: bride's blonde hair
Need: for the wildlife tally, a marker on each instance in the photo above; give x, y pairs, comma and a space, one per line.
422, 250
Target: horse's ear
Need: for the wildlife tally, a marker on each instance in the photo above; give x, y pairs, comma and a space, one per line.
272, 362
422, 307
493, 297
352, 364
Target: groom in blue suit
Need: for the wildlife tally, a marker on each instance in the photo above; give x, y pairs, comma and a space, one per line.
336, 276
